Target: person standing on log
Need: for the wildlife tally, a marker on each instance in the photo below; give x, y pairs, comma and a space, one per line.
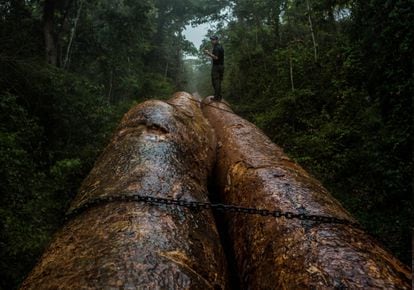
217, 70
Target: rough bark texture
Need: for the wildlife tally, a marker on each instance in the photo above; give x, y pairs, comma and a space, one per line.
163, 149
290, 254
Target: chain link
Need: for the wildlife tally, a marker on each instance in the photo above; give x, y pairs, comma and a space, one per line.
198, 205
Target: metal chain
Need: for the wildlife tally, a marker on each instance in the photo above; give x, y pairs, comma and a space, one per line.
198, 205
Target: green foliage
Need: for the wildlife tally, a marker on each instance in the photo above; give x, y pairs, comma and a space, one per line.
157, 86
346, 115
51, 130
347, 118
54, 120
19, 138
112, 41
197, 75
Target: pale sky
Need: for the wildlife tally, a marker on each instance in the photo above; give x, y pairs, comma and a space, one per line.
196, 34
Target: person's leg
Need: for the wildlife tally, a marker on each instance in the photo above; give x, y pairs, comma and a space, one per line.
220, 79
212, 80
215, 77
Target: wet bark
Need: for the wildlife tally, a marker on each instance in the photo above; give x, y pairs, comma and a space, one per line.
162, 149
290, 254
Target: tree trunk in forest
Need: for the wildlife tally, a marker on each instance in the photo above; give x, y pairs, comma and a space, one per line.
48, 32
110, 84
72, 35
291, 70
315, 44
53, 27
166, 71
279, 253
276, 25
160, 149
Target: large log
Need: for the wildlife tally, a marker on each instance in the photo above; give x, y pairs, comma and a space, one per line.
160, 149
280, 253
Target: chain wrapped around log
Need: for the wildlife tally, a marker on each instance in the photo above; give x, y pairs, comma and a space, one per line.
160, 149
270, 253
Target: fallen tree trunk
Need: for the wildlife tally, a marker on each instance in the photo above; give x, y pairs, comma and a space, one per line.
160, 149
280, 253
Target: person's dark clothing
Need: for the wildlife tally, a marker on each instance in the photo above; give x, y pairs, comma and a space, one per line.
217, 70
219, 52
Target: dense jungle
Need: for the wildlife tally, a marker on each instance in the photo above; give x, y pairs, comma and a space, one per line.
330, 81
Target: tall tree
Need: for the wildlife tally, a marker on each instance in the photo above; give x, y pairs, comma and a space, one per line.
55, 18
334, 90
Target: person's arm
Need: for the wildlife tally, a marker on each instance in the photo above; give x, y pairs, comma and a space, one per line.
210, 54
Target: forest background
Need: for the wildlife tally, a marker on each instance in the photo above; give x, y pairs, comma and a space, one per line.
331, 81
